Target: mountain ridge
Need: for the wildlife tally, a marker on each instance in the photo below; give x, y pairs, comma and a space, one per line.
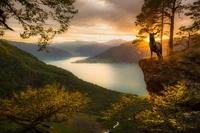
124, 53
51, 53
83, 48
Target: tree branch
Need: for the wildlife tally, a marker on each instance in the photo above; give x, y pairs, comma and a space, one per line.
3, 20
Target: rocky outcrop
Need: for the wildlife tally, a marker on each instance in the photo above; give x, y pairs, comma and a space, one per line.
183, 66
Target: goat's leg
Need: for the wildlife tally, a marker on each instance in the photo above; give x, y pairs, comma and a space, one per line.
158, 55
151, 54
161, 57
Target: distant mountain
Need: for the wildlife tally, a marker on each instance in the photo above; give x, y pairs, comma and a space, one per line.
71, 45
92, 49
125, 53
81, 48
115, 42
53, 54
67, 49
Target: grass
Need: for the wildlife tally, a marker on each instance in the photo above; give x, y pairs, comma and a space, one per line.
6, 126
81, 123
60, 128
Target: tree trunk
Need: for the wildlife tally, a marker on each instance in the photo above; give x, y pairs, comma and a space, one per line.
162, 24
171, 41
189, 40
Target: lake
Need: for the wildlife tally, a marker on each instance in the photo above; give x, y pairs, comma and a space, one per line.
127, 78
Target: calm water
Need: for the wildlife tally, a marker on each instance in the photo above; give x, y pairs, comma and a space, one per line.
126, 78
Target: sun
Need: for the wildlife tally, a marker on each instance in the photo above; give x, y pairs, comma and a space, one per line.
157, 38
128, 38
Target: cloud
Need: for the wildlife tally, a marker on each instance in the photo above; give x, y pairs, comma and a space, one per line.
102, 20
130, 6
120, 14
116, 13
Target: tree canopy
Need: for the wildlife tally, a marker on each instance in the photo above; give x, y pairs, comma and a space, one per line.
44, 18
156, 13
186, 35
169, 112
194, 13
33, 106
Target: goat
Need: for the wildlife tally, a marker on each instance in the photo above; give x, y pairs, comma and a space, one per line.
155, 46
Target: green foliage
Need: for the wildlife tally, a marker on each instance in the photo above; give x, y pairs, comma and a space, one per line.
194, 13
59, 128
155, 14
33, 106
18, 70
168, 112
7, 126
186, 35
125, 113
37, 17
150, 15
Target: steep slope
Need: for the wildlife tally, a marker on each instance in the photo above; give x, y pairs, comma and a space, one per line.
19, 69
125, 53
53, 54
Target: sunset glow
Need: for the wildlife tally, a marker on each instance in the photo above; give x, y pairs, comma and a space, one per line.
157, 38
97, 20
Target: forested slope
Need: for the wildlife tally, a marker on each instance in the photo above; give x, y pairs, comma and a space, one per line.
19, 69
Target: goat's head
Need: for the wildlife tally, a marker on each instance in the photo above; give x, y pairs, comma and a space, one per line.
151, 34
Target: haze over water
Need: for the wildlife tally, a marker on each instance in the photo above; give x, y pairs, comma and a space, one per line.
127, 78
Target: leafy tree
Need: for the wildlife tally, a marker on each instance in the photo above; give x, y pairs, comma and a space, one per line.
194, 13
172, 7
151, 17
44, 18
33, 106
170, 111
125, 113
156, 13
185, 35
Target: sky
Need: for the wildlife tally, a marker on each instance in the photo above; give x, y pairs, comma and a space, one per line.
100, 21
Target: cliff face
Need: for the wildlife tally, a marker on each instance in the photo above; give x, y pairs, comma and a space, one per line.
182, 66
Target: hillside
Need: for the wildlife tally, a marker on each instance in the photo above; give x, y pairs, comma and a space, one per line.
18, 69
81, 48
53, 54
183, 66
115, 42
92, 49
125, 53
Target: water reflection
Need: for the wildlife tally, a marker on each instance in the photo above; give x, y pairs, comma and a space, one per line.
126, 78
